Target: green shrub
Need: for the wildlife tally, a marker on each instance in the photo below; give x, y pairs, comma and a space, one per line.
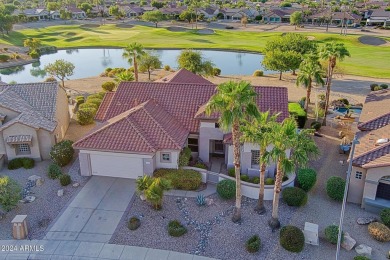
184, 157
62, 153
176, 229
285, 178
384, 86
134, 223
316, 125
181, 179
294, 196
80, 100
373, 86
15, 164
360, 257
34, 54
50, 79
258, 73
65, 179
232, 172
379, 232
4, 57
216, 71
54, 171
306, 178
95, 101
10, 193
28, 163
292, 239
88, 106
256, 180
167, 68
385, 216
226, 189
269, 181
244, 178
298, 113
85, 116
377, 88
253, 244
344, 101
108, 86
332, 233
200, 165
108, 69
335, 188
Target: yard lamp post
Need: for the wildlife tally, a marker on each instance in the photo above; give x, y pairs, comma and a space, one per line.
355, 141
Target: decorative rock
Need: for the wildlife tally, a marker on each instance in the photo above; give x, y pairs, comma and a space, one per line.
36, 179
366, 221
60, 193
76, 184
142, 197
348, 242
209, 201
29, 199
363, 250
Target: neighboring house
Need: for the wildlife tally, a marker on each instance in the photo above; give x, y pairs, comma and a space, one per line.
370, 178
35, 13
55, 15
280, 15
209, 12
145, 125
379, 17
77, 13
33, 117
336, 18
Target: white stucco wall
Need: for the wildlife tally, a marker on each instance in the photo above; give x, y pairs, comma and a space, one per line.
371, 183
174, 159
207, 132
62, 114
356, 186
46, 142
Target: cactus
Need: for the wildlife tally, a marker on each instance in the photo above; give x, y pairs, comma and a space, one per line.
200, 200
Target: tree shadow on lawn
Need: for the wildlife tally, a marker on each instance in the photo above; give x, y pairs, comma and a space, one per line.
74, 39
201, 40
92, 30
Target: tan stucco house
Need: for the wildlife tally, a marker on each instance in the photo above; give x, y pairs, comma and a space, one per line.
145, 125
33, 117
370, 178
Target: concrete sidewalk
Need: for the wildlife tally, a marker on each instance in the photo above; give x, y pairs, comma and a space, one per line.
76, 250
95, 212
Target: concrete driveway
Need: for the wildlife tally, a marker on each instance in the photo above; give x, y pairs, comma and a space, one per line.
95, 212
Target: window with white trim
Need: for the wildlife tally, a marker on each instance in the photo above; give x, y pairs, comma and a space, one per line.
165, 157
255, 160
358, 175
23, 149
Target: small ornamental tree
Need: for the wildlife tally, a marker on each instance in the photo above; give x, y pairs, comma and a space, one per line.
9, 193
60, 69
153, 16
62, 153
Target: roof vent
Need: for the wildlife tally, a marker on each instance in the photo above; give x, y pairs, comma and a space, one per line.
382, 141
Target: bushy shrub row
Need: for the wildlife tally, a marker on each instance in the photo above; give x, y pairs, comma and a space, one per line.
298, 113
24, 162
181, 179
375, 87
87, 111
184, 157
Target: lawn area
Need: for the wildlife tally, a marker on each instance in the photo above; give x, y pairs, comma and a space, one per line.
365, 60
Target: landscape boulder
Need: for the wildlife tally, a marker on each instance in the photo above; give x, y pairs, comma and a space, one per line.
29, 199
366, 221
348, 242
36, 179
363, 250
76, 184
60, 193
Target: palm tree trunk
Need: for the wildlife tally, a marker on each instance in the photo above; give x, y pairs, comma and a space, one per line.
327, 95
274, 221
308, 92
260, 209
280, 76
236, 152
135, 67
149, 74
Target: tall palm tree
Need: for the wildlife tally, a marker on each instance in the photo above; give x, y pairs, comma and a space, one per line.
133, 53
258, 131
235, 101
331, 52
285, 137
309, 70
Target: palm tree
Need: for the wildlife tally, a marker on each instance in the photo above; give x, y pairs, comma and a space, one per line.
154, 193
284, 138
235, 101
331, 52
133, 53
258, 131
309, 70
124, 76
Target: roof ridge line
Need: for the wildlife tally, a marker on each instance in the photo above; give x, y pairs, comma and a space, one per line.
371, 151
372, 120
136, 128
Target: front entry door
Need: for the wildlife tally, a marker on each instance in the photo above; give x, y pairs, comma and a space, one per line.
218, 147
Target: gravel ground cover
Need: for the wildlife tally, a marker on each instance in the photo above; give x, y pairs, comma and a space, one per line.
211, 232
47, 204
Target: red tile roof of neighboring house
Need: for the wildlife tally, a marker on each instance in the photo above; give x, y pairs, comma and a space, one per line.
184, 76
104, 106
145, 128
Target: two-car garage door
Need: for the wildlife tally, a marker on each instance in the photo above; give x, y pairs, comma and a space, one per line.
116, 165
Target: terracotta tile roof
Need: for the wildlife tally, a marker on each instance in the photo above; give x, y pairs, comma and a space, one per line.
184, 76
374, 105
104, 106
375, 123
145, 128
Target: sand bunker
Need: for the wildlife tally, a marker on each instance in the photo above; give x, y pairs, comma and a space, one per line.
375, 41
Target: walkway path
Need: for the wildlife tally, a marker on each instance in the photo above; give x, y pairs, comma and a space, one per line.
76, 250
95, 212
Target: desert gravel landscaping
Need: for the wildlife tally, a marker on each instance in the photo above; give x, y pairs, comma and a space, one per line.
225, 240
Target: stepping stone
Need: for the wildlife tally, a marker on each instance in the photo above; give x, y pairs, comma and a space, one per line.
36, 179
29, 199
348, 242
363, 250
60, 193
366, 221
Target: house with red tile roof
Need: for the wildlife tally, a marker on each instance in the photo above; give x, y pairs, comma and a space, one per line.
370, 179
145, 125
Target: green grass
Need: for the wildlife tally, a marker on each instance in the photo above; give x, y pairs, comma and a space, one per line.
295, 108
365, 60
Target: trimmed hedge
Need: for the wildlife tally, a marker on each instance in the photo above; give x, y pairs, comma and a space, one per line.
232, 172
294, 196
298, 113
24, 162
176, 229
65, 179
332, 233
335, 188
269, 181
62, 153
385, 216
253, 244
256, 180
226, 189
134, 223
181, 179
85, 116
306, 178
244, 177
108, 86
379, 232
54, 171
292, 239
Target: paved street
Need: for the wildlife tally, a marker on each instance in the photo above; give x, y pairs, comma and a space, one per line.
95, 212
